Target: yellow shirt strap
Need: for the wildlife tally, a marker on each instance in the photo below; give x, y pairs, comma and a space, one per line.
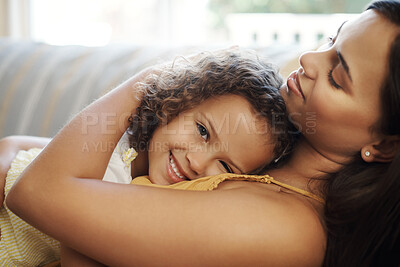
269, 179
212, 182
298, 190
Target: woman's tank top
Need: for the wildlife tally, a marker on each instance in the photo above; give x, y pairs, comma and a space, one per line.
211, 182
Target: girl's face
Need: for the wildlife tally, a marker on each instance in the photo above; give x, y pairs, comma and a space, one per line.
334, 97
220, 135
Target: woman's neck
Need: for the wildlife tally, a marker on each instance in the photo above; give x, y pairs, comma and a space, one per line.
304, 164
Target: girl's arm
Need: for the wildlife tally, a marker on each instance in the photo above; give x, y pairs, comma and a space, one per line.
9, 147
125, 225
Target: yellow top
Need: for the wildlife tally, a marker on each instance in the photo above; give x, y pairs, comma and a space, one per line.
211, 182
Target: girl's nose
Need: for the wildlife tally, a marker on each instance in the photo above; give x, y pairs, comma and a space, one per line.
197, 162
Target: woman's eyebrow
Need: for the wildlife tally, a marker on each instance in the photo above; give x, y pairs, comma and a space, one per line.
341, 58
344, 64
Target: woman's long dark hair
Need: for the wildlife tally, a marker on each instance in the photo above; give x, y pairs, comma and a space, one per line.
362, 210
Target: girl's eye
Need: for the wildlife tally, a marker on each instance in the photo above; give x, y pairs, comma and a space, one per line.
226, 166
332, 81
202, 131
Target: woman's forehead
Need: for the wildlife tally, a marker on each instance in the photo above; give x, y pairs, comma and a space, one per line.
365, 43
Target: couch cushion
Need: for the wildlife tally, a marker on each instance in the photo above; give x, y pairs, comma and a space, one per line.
42, 85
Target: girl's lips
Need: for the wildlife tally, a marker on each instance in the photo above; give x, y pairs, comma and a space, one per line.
294, 85
171, 172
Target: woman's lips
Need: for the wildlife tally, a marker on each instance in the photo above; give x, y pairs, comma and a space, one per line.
294, 85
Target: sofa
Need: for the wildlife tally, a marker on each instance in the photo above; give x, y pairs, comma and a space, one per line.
42, 86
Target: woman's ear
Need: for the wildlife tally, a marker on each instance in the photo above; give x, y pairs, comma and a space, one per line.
381, 151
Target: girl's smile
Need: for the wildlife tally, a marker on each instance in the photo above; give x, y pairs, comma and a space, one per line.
174, 170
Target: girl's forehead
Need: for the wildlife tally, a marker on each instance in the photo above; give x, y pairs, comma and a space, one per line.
243, 136
229, 115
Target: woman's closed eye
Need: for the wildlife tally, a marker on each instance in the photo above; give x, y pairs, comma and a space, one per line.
331, 42
226, 166
203, 131
332, 80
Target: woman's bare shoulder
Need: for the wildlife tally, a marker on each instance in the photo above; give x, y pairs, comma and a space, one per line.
288, 227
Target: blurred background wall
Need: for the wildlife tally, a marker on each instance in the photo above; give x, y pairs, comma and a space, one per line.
170, 22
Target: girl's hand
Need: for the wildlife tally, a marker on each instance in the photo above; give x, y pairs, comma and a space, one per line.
9, 147
7, 154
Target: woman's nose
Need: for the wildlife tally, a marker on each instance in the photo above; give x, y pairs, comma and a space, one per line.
309, 63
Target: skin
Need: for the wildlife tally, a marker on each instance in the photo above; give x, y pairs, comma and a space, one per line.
269, 222
221, 131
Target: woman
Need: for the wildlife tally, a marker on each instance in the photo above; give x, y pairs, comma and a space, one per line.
350, 90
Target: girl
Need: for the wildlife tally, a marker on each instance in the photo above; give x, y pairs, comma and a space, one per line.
214, 114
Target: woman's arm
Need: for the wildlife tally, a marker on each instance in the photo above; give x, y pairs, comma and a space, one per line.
125, 225
72, 258
9, 147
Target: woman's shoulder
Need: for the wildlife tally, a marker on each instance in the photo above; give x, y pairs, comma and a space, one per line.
289, 226
276, 226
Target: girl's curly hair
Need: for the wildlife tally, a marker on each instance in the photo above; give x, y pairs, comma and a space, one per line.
184, 84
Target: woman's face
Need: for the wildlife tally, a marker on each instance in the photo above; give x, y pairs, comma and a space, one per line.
334, 97
218, 136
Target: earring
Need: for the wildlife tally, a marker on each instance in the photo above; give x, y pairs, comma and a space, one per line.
367, 153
